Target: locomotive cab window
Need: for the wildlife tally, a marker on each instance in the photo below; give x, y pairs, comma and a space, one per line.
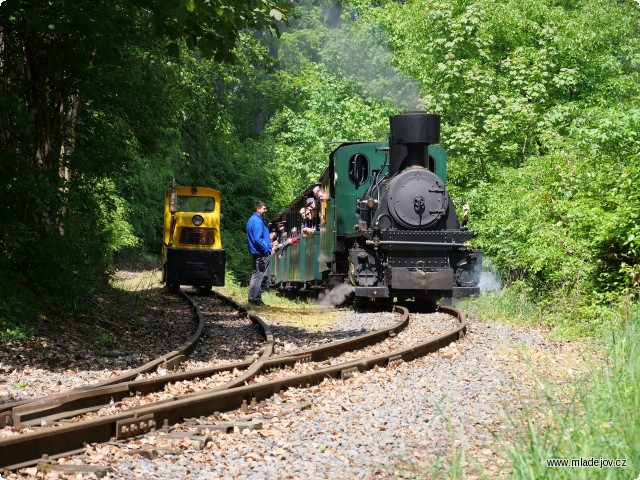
196, 204
359, 168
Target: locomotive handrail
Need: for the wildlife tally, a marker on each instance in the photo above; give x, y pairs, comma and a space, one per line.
413, 243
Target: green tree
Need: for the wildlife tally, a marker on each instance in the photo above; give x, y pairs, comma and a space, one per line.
539, 102
91, 99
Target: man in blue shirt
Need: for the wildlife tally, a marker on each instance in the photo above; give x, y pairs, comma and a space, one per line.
260, 247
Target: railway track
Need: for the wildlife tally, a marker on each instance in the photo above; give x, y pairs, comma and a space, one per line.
10, 412
81, 401
250, 386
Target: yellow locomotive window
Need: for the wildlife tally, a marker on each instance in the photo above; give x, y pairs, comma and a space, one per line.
197, 236
196, 204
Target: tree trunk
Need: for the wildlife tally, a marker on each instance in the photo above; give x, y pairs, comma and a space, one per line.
53, 128
39, 103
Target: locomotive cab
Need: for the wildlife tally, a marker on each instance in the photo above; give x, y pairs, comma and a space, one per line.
192, 252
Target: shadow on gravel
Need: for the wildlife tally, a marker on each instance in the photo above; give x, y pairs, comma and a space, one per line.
116, 330
385, 305
304, 338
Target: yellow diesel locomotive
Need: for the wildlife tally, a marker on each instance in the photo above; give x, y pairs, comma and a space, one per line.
192, 252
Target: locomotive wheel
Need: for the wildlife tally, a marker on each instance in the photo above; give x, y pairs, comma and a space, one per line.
173, 287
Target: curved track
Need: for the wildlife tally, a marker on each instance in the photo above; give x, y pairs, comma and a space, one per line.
18, 413
26, 449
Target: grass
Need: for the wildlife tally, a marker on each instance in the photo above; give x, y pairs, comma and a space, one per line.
599, 419
19, 332
138, 282
570, 319
509, 306
106, 337
234, 290
240, 294
593, 416
304, 313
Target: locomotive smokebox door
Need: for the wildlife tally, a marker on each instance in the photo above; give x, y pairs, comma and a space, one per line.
410, 135
416, 198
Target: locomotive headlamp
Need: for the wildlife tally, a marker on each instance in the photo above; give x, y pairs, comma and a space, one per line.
371, 202
197, 220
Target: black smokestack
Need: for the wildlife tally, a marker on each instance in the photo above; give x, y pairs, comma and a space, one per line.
411, 133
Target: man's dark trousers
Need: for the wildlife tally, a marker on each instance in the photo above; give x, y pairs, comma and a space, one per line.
259, 277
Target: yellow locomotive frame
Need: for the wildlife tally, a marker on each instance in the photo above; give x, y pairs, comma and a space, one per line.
192, 252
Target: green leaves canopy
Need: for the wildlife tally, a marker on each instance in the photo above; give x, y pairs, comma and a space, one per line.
539, 103
92, 119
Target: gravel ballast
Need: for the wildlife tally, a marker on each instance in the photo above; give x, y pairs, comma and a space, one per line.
409, 420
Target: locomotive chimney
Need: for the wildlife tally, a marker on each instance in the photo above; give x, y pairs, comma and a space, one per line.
411, 133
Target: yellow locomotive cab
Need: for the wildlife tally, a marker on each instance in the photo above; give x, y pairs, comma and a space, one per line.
192, 252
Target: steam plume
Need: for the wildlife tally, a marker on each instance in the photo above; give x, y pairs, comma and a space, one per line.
336, 295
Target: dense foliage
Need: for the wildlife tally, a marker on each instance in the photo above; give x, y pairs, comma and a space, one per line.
104, 103
97, 100
540, 104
